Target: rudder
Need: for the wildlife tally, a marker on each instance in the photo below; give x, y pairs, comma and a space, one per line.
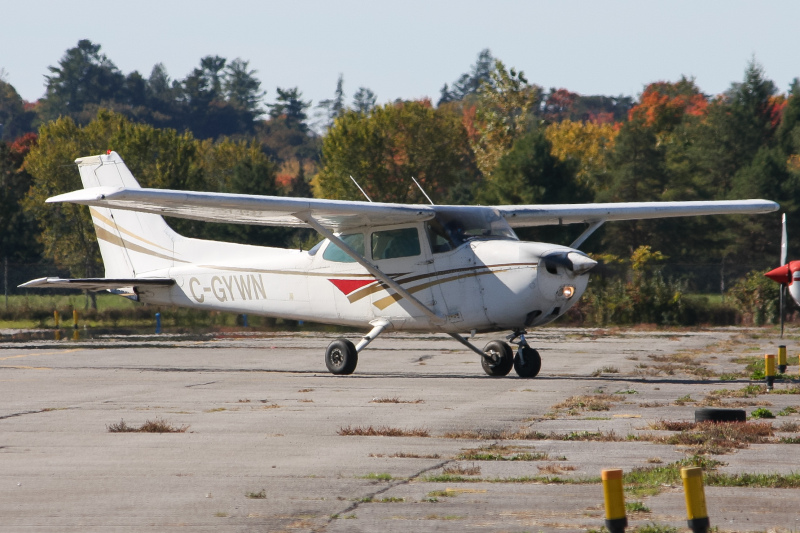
131, 243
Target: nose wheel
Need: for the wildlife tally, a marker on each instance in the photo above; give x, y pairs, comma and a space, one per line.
527, 361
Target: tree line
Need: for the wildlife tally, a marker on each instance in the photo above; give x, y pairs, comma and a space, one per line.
492, 137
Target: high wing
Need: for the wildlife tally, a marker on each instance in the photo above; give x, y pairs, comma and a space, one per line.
557, 214
337, 215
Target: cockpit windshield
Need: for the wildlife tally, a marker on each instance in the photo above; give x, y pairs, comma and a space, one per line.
452, 227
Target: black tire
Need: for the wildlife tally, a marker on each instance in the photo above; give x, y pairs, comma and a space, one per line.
341, 357
533, 363
720, 415
501, 360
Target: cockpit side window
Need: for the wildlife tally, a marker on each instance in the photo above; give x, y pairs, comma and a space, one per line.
395, 243
441, 237
337, 255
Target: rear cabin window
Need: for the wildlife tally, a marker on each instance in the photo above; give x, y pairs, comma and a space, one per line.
394, 243
337, 255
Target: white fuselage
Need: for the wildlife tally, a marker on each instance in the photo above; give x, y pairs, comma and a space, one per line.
483, 284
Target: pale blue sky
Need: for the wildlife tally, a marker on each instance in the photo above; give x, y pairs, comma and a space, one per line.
410, 48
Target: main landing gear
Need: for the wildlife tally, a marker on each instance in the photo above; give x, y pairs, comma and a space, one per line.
341, 357
498, 358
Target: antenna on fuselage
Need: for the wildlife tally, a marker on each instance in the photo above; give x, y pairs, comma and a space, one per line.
422, 190
360, 189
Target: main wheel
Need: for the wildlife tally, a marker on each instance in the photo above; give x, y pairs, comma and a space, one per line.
341, 357
500, 359
532, 363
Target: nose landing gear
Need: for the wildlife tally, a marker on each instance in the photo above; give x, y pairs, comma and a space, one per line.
527, 361
497, 357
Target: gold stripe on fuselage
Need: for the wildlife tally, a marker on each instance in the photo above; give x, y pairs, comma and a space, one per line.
116, 240
96, 214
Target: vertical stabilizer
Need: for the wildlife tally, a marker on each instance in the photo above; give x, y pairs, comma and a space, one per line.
131, 243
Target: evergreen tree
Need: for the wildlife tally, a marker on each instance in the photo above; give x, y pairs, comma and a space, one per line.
364, 100
243, 89
469, 83
84, 76
290, 108
334, 107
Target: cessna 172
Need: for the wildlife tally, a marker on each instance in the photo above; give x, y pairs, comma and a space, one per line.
423, 268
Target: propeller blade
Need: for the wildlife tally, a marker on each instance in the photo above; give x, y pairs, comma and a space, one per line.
783, 292
784, 243
784, 250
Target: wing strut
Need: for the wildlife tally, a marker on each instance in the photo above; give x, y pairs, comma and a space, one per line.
594, 226
372, 269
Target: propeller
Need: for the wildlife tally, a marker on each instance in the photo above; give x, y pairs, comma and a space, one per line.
784, 246
784, 274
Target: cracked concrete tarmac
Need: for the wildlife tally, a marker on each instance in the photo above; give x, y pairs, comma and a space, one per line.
263, 414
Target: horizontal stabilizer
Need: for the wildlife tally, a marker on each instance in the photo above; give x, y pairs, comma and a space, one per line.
95, 284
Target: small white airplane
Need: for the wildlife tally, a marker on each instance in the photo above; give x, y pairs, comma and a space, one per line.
421, 268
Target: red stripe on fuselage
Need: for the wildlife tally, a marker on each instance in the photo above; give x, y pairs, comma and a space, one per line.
349, 285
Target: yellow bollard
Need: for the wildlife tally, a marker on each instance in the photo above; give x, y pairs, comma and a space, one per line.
769, 370
75, 332
56, 317
782, 359
696, 513
616, 521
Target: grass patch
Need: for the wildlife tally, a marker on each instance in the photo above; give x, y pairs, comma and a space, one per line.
790, 390
460, 470
150, 426
382, 431
715, 438
390, 500
765, 481
502, 453
761, 412
748, 391
441, 494
404, 455
636, 507
605, 370
555, 468
596, 402
649, 481
261, 495
714, 398
683, 400
534, 435
395, 399
378, 476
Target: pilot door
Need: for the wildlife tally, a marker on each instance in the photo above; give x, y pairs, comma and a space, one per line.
404, 254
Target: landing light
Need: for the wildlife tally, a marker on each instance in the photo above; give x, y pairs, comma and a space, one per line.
568, 291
